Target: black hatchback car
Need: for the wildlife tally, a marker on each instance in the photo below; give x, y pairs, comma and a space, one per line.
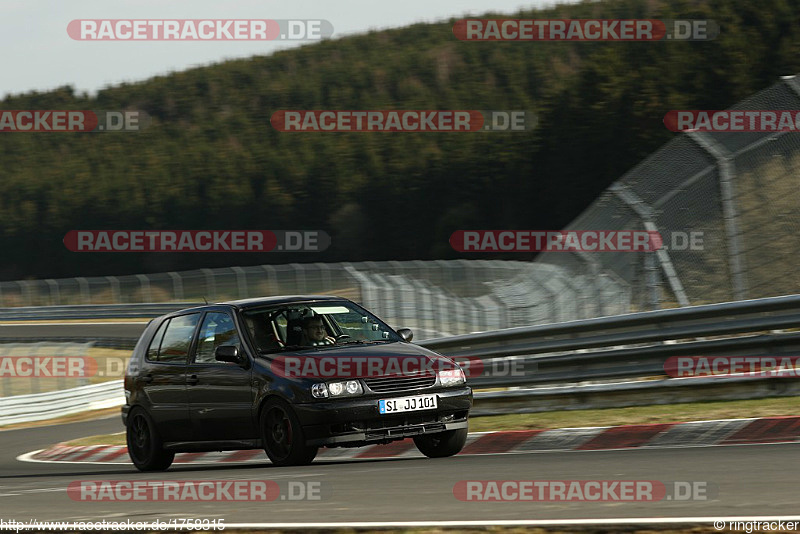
289, 375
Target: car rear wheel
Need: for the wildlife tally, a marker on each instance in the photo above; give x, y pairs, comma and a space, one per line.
144, 444
442, 444
283, 437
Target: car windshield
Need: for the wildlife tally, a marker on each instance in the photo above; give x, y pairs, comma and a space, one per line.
313, 326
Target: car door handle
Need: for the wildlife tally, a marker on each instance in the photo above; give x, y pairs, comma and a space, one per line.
146, 379
192, 379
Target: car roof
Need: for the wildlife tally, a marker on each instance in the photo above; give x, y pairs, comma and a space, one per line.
283, 299
256, 302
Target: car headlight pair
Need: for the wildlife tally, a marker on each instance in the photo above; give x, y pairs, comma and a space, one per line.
452, 377
346, 388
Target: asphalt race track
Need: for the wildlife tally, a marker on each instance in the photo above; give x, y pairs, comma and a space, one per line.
747, 480
750, 480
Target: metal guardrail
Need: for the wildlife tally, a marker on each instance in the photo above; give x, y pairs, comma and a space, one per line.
121, 343
559, 365
42, 406
634, 393
710, 315
92, 311
558, 362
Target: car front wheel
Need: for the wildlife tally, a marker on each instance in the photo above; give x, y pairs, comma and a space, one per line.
442, 444
144, 443
283, 437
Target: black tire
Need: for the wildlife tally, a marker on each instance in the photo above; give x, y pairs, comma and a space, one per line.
145, 447
282, 435
442, 444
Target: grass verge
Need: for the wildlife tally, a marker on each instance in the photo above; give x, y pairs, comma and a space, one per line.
74, 418
661, 413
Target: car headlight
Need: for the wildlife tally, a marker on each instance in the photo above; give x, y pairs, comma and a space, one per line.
347, 388
320, 390
452, 377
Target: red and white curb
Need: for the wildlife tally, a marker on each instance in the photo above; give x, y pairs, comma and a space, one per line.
661, 435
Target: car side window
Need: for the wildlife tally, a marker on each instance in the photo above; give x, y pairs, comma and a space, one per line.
178, 338
155, 345
217, 330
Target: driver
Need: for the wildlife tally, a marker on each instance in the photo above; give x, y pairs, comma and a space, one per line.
314, 332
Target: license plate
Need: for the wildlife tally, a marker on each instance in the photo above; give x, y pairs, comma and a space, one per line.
407, 404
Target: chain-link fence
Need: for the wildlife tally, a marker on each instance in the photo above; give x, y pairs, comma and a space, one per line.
736, 192
435, 298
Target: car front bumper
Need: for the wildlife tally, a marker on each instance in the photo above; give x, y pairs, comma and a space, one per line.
356, 421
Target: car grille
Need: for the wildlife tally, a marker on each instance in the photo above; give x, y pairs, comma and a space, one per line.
404, 382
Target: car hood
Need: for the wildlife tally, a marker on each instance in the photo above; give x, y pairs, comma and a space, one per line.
358, 361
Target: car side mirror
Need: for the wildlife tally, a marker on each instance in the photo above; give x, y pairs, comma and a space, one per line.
227, 353
406, 334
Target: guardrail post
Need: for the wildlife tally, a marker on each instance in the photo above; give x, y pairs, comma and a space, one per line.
727, 174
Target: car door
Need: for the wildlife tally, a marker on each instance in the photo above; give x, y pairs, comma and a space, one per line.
163, 377
220, 395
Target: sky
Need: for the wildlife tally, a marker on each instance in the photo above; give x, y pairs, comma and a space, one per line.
39, 55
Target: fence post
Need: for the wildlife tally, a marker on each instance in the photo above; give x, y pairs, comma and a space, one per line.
271, 279
115, 291
594, 274
325, 270
652, 282
53, 285
645, 213
84, 285
177, 286
727, 174
24, 292
144, 281
241, 281
211, 285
